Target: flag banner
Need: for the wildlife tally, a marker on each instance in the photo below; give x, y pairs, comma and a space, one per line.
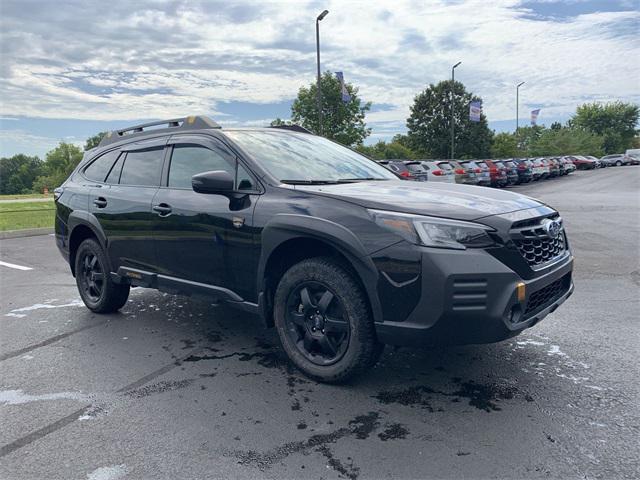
346, 98
534, 116
475, 110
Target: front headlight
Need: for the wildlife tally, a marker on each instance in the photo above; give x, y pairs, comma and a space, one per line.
433, 231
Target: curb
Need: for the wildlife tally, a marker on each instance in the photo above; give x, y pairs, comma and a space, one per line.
27, 232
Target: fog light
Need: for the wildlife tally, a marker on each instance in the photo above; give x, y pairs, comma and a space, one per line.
521, 290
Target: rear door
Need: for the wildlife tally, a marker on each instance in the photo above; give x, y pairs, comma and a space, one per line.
206, 238
122, 204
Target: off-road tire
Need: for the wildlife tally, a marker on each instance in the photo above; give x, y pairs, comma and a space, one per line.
363, 350
112, 296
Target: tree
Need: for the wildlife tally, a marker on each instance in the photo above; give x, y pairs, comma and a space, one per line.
342, 122
17, 173
278, 122
94, 141
566, 141
616, 122
504, 145
429, 123
59, 164
382, 150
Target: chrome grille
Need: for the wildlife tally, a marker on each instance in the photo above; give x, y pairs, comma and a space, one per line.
535, 245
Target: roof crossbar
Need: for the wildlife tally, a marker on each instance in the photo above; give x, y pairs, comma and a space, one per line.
194, 122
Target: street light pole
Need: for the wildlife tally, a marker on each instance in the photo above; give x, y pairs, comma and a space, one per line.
319, 94
518, 104
452, 123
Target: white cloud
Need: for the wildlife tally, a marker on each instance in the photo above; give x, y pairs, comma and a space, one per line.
166, 59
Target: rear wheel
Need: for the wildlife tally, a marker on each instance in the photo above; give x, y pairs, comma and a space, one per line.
619, 163
98, 292
323, 321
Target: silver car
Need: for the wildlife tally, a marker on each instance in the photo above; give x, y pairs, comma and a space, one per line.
439, 171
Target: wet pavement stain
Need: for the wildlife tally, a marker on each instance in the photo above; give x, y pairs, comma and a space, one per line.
160, 387
482, 396
360, 427
349, 471
394, 431
419, 395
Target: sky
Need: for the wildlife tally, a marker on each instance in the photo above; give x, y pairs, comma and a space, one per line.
72, 68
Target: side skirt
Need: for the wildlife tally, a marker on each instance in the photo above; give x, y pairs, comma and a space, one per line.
179, 286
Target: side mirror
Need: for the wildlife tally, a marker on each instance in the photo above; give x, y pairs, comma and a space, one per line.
217, 181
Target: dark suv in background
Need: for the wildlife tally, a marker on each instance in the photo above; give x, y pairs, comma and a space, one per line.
328, 246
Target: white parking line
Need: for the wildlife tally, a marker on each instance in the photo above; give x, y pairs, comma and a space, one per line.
13, 265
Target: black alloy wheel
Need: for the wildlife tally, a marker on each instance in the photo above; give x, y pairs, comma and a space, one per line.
316, 323
92, 276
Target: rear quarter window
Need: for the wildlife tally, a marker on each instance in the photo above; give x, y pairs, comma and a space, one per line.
100, 167
142, 167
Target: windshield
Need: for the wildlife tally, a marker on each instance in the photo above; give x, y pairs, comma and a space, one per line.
445, 166
304, 157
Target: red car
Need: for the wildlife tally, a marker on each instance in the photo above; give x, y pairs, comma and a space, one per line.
497, 172
582, 163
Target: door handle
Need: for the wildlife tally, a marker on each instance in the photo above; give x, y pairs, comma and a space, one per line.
100, 202
162, 209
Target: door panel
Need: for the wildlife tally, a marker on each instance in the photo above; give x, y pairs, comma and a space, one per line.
205, 238
123, 204
124, 212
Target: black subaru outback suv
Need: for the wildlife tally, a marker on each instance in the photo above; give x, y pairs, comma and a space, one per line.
337, 252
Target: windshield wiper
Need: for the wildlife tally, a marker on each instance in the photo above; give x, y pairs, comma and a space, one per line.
309, 182
362, 179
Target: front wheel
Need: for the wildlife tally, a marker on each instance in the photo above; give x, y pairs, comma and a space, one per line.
619, 163
323, 321
97, 290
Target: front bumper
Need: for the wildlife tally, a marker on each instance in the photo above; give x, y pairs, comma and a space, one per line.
471, 297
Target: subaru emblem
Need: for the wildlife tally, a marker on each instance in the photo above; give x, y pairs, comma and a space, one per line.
551, 227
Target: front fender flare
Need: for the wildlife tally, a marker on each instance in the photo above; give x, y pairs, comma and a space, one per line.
283, 227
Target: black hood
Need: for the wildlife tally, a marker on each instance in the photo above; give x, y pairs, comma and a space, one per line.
462, 202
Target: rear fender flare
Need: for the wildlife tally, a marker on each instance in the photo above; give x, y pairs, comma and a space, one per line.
78, 218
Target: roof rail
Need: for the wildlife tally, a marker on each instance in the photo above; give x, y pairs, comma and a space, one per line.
194, 122
293, 127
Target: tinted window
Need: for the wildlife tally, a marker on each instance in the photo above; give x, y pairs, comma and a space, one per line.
445, 166
243, 179
415, 167
189, 160
142, 167
114, 174
98, 169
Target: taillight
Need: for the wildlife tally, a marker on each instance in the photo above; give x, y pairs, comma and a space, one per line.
478, 170
438, 173
459, 171
521, 167
406, 174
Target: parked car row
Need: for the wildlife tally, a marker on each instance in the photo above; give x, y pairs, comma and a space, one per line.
488, 172
503, 172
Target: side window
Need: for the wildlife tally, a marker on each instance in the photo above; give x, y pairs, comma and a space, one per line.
243, 179
188, 160
99, 168
142, 167
114, 174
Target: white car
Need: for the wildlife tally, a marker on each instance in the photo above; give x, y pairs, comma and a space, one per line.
439, 171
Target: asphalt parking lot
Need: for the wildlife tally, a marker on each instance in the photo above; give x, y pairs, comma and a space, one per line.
177, 388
